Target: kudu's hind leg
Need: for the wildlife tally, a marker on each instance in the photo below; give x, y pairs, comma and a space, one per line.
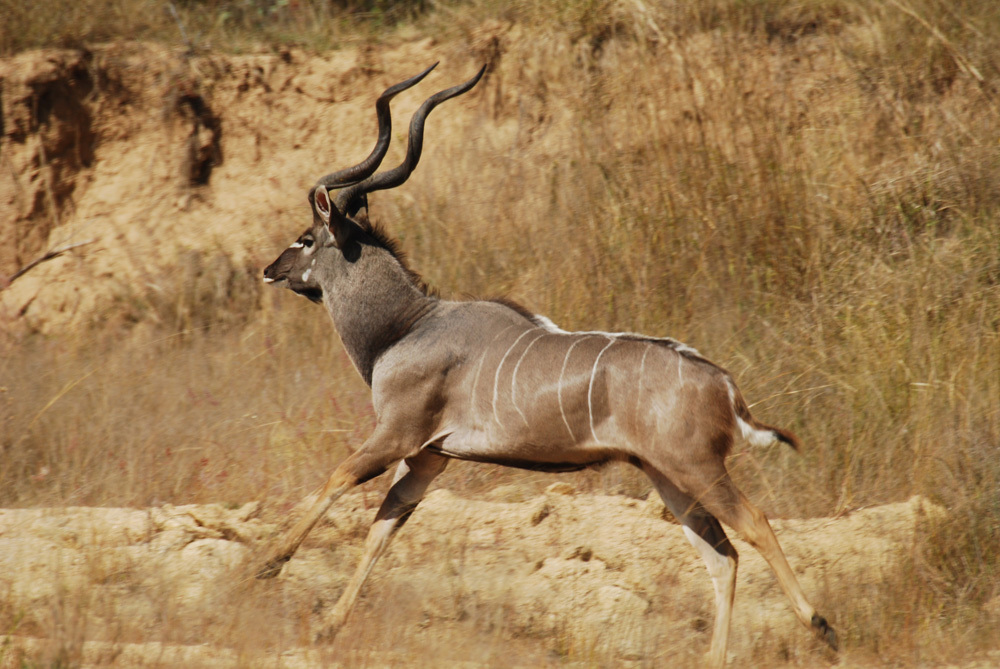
707, 536
409, 485
366, 463
725, 501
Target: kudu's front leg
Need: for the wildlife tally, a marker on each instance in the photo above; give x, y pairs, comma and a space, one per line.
366, 463
409, 485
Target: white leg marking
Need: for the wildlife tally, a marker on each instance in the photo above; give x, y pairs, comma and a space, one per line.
590, 389
513, 379
560, 387
722, 569
718, 564
496, 378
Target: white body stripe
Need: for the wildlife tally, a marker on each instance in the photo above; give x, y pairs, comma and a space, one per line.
513, 378
642, 374
496, 378
678, 346
559, 388
479, 369
547, 323
590, 388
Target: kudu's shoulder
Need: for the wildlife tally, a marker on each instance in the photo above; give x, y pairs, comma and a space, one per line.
473, 318
447, 334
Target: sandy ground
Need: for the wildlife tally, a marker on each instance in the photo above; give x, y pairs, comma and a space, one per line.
595, 576
109, 145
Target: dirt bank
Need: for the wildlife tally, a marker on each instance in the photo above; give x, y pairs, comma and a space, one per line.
571, 575
170, 165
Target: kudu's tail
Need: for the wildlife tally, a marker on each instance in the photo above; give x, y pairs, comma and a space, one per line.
754, 431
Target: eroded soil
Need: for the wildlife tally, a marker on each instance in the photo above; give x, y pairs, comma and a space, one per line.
555, 578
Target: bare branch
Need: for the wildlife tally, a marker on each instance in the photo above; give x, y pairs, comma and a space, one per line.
48, 255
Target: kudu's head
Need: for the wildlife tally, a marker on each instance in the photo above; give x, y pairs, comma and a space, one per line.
335, 239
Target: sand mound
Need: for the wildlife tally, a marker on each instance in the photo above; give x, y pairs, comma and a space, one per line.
604, 576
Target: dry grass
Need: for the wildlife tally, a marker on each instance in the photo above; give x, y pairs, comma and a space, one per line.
806, 192
202, 25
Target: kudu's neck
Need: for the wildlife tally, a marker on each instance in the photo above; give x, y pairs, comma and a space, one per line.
374, 302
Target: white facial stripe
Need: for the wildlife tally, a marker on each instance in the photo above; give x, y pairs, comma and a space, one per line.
590, 389
296, 245
306, 274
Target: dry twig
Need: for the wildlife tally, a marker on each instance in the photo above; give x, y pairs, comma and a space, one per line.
48, 255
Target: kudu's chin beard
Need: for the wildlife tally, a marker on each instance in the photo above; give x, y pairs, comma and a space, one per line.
311, 293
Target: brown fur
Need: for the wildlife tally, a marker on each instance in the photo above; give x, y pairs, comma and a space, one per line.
445, 384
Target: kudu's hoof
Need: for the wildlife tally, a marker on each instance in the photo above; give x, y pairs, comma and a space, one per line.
272, 568
326, 635
824, 630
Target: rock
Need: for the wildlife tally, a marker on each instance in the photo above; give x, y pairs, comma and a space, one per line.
560, 488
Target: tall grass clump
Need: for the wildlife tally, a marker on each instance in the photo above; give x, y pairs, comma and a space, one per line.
204, 25
813, 207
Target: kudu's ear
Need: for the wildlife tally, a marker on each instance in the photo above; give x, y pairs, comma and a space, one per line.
322, 204
338, 225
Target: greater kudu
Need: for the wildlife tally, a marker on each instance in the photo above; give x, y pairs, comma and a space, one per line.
491, 382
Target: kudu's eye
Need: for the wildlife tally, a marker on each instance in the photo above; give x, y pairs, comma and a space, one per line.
308, 242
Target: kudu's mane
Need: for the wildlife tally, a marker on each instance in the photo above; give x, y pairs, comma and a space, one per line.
378, 236
514, 306
381, 238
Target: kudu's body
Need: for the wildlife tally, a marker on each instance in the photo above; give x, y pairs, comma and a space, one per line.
488, 381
